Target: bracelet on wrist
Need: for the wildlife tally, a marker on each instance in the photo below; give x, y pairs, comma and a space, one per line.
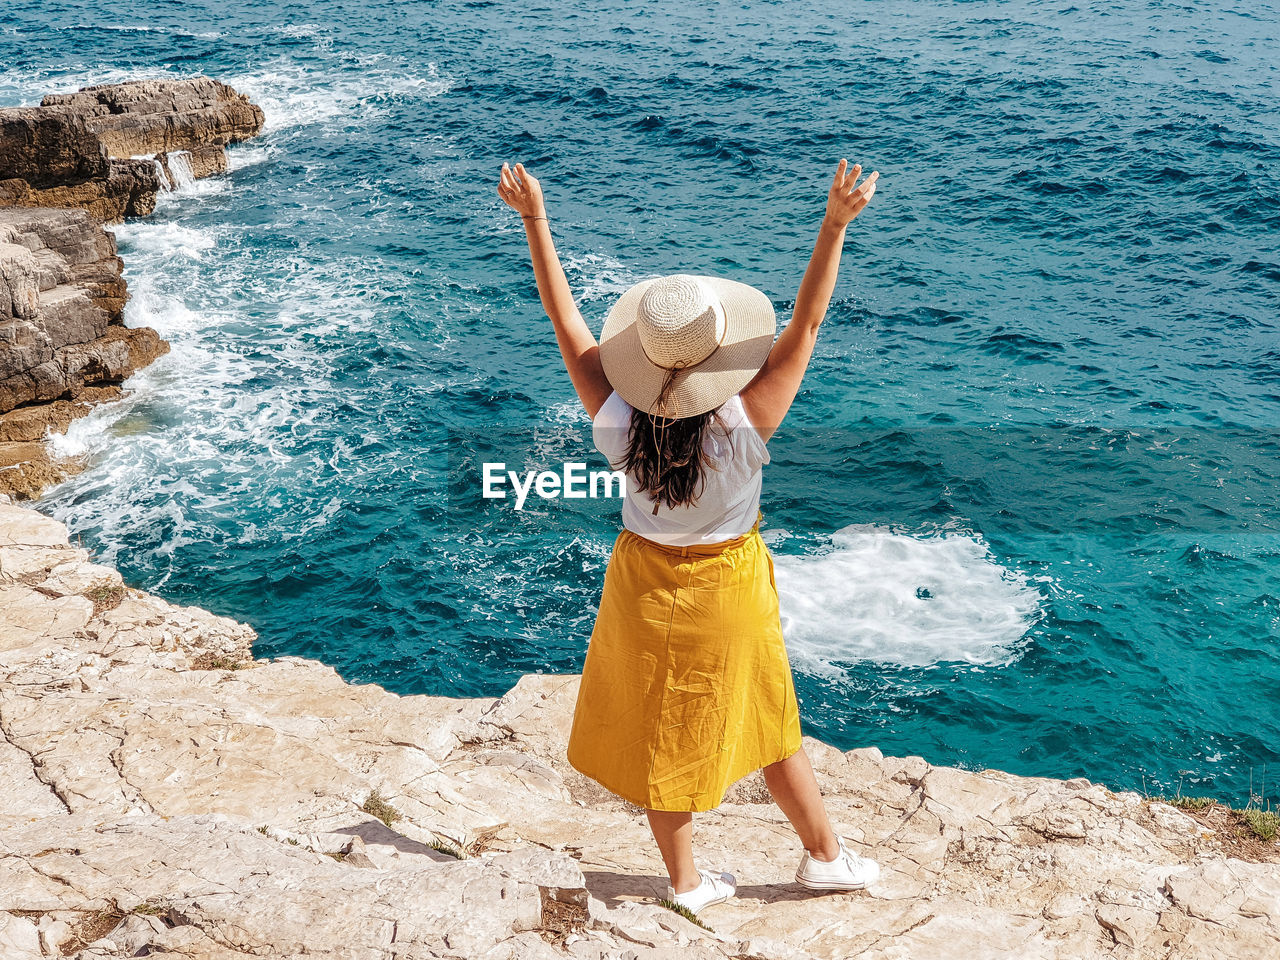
525, 217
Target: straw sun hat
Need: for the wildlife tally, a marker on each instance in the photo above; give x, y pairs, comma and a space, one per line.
713, 332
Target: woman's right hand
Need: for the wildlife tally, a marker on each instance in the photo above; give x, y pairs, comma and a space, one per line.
847, 197
521, 191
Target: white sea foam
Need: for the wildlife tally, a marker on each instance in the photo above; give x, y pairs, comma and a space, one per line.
153, 242
292, 95
598, 276
775, 536
888, 597
568, 412
135, 28
169, 316
241, 155
88, 433
241, 404
186, 185
25, 86
180, 182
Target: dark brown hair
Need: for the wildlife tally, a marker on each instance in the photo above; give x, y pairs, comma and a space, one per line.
665, 454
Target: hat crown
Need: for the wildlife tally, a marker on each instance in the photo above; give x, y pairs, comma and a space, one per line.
680, 321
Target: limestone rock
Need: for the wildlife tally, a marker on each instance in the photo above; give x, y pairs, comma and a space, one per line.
27, 468
62, 343
50, 158
158, 116
49, 147
83, 149
61, 298
106, 150
28, 424
19, 938
128, 190
152, 770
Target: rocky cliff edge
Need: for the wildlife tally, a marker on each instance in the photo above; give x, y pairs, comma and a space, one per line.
163, 793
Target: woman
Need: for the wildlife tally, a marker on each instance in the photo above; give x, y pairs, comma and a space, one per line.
686, 686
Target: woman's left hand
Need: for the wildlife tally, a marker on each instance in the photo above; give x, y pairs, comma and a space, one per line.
845, 200
521, 191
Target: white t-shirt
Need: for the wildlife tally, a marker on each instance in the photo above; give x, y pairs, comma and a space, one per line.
729, 499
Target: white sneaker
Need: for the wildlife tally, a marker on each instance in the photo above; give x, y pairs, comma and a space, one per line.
714, 888
848, 871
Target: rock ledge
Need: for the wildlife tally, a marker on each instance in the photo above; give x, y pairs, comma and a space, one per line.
166, 794
111, 148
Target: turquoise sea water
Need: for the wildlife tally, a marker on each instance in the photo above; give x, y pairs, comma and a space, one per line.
1024, 510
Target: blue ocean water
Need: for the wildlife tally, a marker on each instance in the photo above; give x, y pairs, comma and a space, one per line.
1023, 510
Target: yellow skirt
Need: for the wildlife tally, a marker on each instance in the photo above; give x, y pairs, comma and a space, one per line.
686, 686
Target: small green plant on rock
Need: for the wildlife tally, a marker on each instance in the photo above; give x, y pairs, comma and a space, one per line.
1188, 803
684, 912
448, 849
1265, 824
377, 805
106, 596
1254, 821
215, 661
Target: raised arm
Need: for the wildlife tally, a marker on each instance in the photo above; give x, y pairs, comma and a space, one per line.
521, 191
767, 398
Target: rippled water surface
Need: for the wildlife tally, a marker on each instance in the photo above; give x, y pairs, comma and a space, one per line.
1024, 510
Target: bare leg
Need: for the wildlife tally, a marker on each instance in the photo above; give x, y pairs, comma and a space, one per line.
674, 833
795, 790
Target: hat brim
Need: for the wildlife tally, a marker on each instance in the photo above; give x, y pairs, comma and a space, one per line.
750, 324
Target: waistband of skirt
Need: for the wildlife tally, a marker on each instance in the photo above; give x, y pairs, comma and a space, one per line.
699, 549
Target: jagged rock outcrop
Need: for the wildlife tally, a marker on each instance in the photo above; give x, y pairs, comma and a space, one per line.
199, 115
79, 172
62, 299
82, 149
67, 166
161, 790
63, 345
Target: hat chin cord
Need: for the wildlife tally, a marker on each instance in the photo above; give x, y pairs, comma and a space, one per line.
659, 434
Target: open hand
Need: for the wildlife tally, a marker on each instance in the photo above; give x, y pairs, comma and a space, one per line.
847, 197
521, 191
